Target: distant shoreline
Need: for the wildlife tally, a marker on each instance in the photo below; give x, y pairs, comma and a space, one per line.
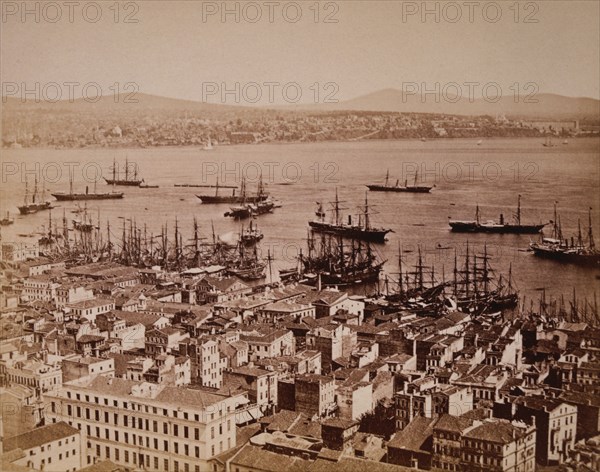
558, 140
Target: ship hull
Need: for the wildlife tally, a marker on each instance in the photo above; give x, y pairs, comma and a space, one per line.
364, 277
228, 199
567, 256
71, 197
354, 232
127, 183
473, 227
414, 189
34, 208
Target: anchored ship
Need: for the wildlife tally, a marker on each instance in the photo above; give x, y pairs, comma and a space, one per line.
251, 235
362, 230
475, 226
36, 204
131, 179
573, 251
332, 262
72, 196
233, 198
414, 188
7, 220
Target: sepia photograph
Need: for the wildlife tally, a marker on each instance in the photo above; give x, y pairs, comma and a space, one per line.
300, 236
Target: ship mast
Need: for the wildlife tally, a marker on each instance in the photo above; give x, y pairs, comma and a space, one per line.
387, 177
592, 246
519, 210
35, 190
367, 224
400, 285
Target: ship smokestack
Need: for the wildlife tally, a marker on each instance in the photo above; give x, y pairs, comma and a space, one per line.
501, 218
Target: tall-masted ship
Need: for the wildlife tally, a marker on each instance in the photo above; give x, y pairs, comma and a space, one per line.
360, 230
242, 197
131, 178
573, 251
414, 188
476, 226
335, 262
36, 203
73, 196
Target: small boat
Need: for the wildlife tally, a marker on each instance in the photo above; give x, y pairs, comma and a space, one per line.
480, 142
565, 141
548, 142
142, 185
208, 146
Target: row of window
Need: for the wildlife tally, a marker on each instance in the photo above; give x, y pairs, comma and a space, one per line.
144, 460
140, 407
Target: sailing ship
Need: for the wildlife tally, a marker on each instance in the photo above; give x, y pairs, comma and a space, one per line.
233, 198
473, 289
84, 224
36, 204
72, 196
7, 220
332, 262
476, 290
573, 251
248, 266
476, 226
386, 187
131, 178
362, 230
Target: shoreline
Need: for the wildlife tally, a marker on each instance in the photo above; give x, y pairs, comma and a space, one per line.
559, 140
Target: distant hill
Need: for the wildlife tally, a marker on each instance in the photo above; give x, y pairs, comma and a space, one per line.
139, 102
388, 100
393, 100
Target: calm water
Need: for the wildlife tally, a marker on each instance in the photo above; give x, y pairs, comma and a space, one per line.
465, 174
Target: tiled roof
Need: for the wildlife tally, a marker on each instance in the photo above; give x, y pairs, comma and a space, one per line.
415, 436
253, 457
501, 432
40, 436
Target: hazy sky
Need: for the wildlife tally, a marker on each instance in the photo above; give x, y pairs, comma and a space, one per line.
173, 50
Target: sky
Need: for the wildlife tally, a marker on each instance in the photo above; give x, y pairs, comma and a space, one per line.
189, 50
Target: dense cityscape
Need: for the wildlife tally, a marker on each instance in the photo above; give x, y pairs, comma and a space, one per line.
63, 129
317, 236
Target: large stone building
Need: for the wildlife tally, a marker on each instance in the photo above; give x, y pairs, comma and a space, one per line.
138, 424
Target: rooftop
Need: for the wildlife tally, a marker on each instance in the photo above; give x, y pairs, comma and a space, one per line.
40, 436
